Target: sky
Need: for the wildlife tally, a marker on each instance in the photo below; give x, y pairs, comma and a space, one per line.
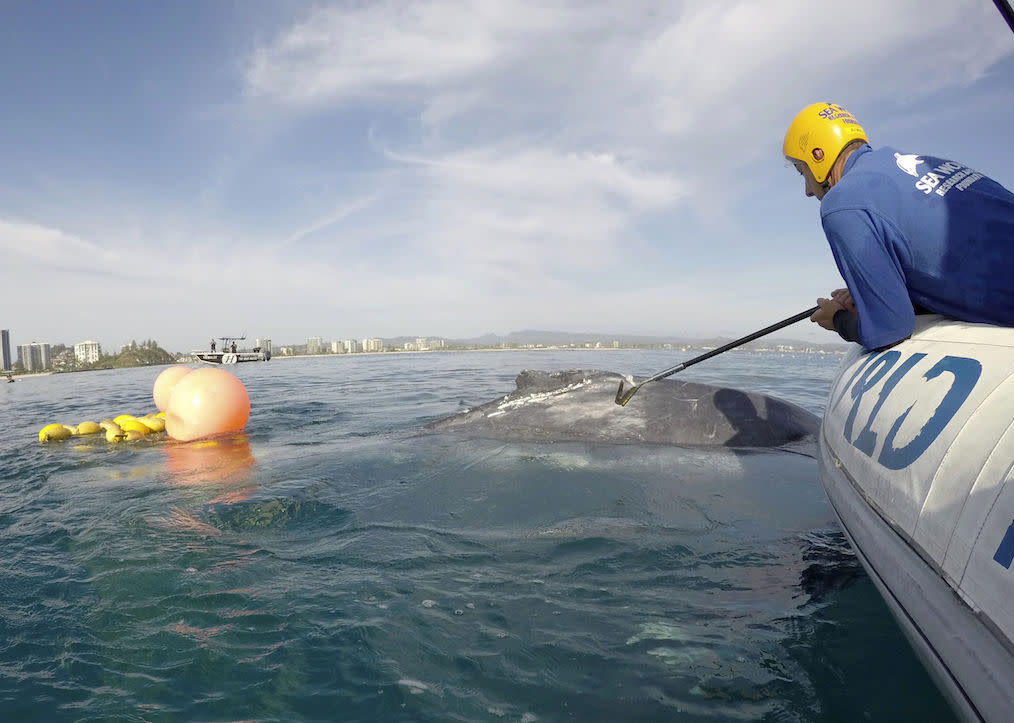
452, 168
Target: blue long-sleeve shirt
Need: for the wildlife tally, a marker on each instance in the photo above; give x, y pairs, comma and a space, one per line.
910, 229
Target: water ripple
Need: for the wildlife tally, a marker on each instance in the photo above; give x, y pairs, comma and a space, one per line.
335, 565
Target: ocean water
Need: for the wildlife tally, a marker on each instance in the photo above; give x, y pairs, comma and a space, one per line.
331, 564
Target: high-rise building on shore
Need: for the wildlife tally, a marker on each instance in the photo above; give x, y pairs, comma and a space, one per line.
34, 357
87, 352
424, 344
5, 349
315, 345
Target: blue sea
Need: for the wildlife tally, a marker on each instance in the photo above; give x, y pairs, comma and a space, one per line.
332, 564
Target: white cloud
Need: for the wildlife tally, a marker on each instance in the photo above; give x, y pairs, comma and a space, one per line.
341, 213
382, 46
698, 88
532, 211
30, 243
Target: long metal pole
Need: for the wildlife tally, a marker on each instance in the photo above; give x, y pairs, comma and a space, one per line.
1004, 7
623, 397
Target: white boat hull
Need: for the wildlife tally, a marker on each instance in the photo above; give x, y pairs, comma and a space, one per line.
916, 452
225, 357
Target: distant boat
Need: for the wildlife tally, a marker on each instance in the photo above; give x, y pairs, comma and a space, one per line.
916, 455
231, 354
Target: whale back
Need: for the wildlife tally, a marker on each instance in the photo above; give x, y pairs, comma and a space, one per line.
579, 405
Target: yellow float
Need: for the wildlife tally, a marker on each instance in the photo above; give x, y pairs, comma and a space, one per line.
88, 428
192, 404
53, 432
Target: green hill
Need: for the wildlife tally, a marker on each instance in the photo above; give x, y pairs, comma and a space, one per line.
147, 353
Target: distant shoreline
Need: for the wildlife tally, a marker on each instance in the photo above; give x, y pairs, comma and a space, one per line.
553, 348
24, 375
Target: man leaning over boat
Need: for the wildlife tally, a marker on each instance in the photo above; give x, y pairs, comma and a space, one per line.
909, 232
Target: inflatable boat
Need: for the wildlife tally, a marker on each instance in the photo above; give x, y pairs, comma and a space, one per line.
916, 453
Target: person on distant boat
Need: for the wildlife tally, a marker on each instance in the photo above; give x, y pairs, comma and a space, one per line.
233, 348
10, 379
212, 345
909, 232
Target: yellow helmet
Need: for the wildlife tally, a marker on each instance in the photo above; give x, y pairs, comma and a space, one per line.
818, 134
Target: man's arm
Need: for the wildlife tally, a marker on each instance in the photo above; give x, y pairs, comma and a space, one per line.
867, 262
846, 323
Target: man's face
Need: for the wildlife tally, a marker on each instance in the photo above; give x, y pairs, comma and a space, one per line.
810, 185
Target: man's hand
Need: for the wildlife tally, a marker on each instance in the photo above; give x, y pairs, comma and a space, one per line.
824, 316
843, 297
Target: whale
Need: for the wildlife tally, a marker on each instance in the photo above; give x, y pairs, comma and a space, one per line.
579, 406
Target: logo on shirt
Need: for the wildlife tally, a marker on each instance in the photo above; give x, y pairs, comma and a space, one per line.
908, 162
940, 179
